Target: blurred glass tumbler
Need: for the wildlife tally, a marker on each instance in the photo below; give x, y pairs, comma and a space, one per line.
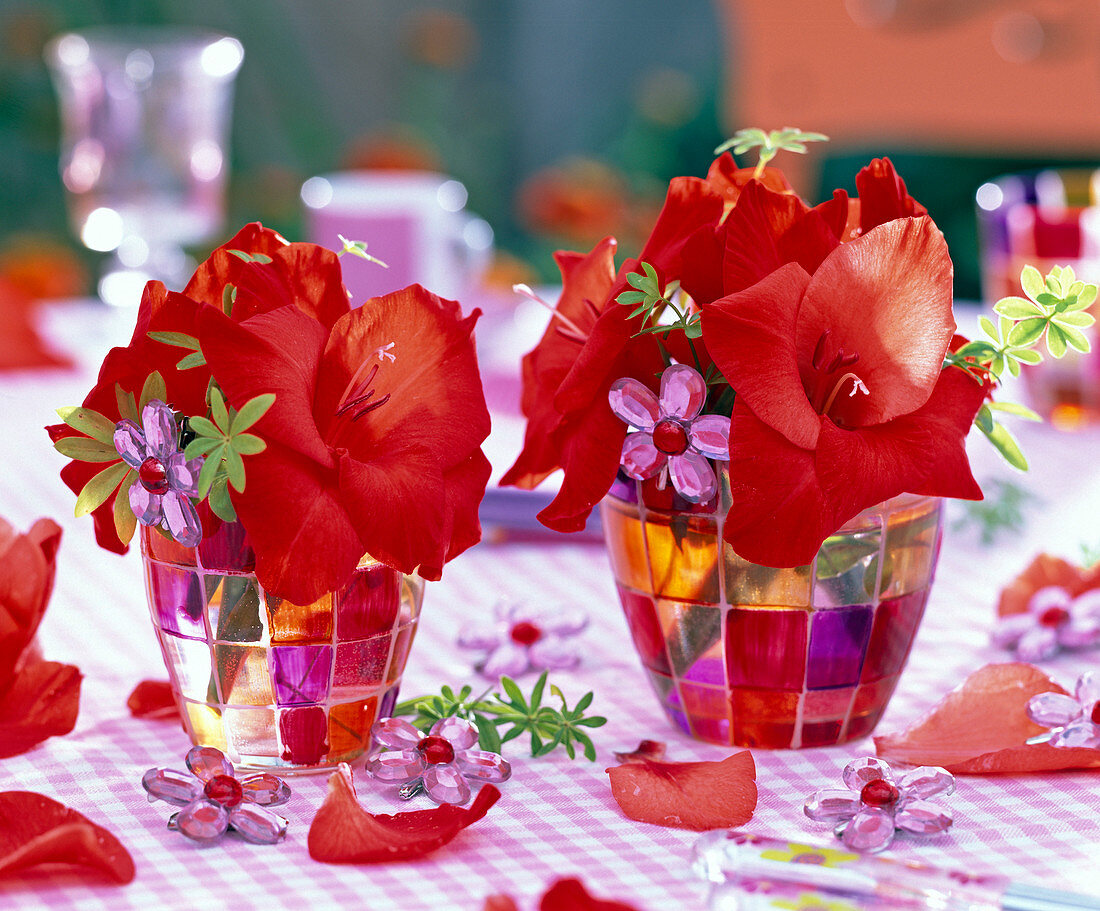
145, 116
414, 221
1046, 218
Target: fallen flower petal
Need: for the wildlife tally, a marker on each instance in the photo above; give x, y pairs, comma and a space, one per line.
42, 702
687, 795
344, 832
37, 830
646, 749
27, 567
981, 726
153, 699
571, 895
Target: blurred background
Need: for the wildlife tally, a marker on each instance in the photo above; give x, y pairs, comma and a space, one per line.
564, 120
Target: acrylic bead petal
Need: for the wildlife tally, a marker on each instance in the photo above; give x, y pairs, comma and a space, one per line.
508, 659
184, 475
397, 733
1009, 629
692, 476
265, 790
831, 805
860, 771
182, 518
871, 829
1087, 604
479, 636
1038, 644
710, 435
1088, 689
257, 825
130, 443
1047, 597
634, 403
483, 765
146, 506
554, 654
159, 425
683, 392
202, 820
398, 766
1052, 709
206, 762
640, 459
1078, 734
567, 622
1082, 631
927, 781
445, 783
178, 788
923, 818
461, 733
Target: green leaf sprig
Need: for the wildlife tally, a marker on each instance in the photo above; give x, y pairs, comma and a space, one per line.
1001, 512
770, 144
1054, 313
358, 248
223, 439
548, 727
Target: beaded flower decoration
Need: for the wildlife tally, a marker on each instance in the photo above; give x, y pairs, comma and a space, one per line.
522, 639
166, 480
441, 763
214, 800
673, 439
1054, 621
1074, 720
878, 803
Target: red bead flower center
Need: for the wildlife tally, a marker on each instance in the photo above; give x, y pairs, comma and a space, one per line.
435, 750
525, 633
224, 789
879, 793
669, 437
1053, 617
152, 475
1095, 716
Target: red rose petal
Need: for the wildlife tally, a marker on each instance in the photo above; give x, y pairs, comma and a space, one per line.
688, 795
1046, 570
42, 702
153, 699
646, 749
343, 832
979, 728
500, 903
27, 567
37, 830
571, 895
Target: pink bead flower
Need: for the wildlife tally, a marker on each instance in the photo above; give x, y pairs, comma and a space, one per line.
523, 639
673, 439
439, 763
877, 803
1053, 621
214, 800
1074, 720
166, 480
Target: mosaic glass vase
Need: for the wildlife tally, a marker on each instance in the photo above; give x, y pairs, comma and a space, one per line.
750, 655
267, 682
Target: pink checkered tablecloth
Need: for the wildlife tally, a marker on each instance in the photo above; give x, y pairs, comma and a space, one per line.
556, 817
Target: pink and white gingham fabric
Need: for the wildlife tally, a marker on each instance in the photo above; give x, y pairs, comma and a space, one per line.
556, 818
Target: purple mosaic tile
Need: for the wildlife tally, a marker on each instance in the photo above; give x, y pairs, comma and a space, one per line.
178, 597
301, 673
838, 644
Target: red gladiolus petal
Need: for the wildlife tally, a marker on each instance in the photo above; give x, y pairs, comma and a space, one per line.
153, 699
688, 795
981, 726
882, 195
885, 296
37, 830
760, 217
646, 749
751, 337
586, 284
571, 895
42, 702
344, 832
729, 180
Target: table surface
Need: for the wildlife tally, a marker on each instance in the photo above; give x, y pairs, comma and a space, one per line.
556, 817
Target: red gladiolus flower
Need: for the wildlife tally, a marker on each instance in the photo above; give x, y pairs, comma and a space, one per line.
586, 286
349, 436
841, 397
38, 699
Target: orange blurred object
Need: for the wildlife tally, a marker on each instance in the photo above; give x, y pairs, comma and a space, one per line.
391, 149
42, 268
579, 201
21, 348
